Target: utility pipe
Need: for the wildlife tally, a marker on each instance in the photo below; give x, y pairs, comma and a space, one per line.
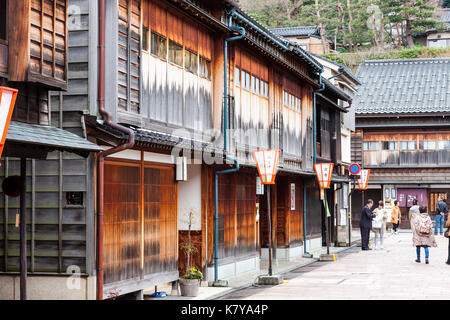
101, 156
315, 115
225, 144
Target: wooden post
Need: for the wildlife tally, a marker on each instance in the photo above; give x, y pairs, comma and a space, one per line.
326, 222
270, 228
23, 230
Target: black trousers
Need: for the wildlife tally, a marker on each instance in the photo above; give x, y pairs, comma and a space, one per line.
395, 226
365, 233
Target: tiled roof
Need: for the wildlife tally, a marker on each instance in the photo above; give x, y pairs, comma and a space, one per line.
403, 86
48, 136
342, 68
296, 31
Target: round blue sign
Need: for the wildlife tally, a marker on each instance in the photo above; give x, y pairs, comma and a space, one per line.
354, 168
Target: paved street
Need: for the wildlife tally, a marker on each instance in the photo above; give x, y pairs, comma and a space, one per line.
386, 274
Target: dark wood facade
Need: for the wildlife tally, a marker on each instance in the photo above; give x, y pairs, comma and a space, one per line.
141, 217
33, 59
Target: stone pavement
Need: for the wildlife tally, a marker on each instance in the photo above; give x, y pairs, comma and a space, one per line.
378, 274
247, 280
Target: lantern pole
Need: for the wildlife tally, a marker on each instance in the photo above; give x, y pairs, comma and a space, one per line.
269, 221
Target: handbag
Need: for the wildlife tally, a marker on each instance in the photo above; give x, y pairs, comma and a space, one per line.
446, 233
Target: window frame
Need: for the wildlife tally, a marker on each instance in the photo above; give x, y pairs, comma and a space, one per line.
370, 143
158, 46
408, 142
423, 145
389, 145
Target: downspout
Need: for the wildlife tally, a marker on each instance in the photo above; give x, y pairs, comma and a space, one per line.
225, 129
103, 154
315, 116
306, 253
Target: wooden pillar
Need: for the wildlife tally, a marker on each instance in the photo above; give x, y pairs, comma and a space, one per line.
274, 206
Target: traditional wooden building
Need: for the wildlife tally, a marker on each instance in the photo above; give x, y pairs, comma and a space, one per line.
343, 79
54, 159
307, 37
402, 132
155, 87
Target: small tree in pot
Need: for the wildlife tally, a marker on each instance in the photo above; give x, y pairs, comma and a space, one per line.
190, 281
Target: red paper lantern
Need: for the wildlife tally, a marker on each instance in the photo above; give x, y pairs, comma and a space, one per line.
363, 181
267, 163
7, 101
324, 172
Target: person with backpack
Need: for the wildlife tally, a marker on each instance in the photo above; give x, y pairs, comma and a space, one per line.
441, 213
423, 233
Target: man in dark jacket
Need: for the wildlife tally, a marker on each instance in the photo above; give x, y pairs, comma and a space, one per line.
365, 224
441, 212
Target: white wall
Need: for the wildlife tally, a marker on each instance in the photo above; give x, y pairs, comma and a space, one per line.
190, 198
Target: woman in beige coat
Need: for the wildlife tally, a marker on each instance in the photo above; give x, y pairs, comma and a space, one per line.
422, 233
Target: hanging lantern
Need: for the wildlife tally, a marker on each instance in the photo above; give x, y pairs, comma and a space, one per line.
7, 101
363, 181
267, 163
323, 173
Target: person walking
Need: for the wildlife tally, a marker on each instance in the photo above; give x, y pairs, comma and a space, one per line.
413, 211
441, 212
396, 217
447, 225
365, 224
379, 224
423, 233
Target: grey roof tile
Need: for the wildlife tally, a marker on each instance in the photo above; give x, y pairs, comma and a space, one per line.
296, 31
403, 86
48, 136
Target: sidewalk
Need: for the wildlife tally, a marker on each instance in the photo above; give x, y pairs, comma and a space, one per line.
247, 280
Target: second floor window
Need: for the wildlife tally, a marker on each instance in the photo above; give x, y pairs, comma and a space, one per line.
389, 145
205, 68
370, 145
407, 145
158, 44
291, 101
175, 53
427, 145
237, 76
245, 80
264, 89
190, 61
444, 144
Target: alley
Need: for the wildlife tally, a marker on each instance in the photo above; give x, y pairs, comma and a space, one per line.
387, 274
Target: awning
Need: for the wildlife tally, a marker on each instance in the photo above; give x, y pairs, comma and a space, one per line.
35, 141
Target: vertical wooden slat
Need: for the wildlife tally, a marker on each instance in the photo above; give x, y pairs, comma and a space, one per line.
6, 219
130, 10
60, 193
33, 211
141, 216
42, 38
54, 37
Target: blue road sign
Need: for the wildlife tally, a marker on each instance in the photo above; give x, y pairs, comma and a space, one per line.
354, 168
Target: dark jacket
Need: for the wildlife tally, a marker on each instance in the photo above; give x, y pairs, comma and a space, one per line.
366, 218
441, 207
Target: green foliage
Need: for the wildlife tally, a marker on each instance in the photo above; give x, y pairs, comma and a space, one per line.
193, 273
354, 23
188, 248
334, 57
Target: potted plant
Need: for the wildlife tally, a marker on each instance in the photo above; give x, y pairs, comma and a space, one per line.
190, 281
